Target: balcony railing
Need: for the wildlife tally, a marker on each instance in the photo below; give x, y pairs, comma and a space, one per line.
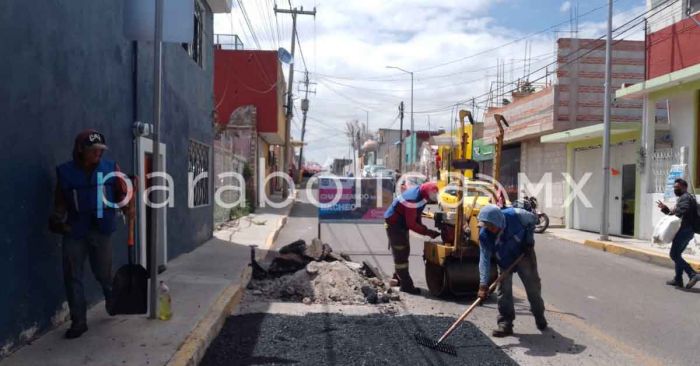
228, 42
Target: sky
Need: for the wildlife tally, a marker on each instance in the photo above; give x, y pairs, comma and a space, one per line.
452, 46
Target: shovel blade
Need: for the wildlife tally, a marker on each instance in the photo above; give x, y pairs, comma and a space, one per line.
130, 290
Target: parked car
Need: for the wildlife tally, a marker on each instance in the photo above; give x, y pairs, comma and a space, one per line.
384, 173
370, 171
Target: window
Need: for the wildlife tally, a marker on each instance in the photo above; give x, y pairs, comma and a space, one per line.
692, 6
195, 48
198, 163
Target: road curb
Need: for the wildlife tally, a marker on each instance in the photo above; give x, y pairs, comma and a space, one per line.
635, 253
192, 350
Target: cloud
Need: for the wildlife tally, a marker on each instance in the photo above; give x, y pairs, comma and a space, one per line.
355, 40
565, 7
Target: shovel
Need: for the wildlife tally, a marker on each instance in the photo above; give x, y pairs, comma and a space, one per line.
439, 345
130, 285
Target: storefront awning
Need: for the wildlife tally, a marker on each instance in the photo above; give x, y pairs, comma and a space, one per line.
590, 132
676, 78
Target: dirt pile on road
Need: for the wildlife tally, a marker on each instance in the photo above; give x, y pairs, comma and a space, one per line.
327, 279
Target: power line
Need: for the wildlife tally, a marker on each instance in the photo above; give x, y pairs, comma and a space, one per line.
667, 4
301, 51
247, 20
277, 25
384, 78
511, 42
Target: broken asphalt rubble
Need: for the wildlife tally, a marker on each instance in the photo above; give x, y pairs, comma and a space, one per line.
315, 274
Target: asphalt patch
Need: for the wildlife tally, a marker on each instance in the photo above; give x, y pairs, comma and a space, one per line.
336, 339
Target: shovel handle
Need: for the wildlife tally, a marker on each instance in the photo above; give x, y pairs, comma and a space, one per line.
478, 299
132, 219
130, 241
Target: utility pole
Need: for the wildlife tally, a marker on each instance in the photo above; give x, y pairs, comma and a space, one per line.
606, 127
290, 105
412, 126
304, 110
401, 138
155, 159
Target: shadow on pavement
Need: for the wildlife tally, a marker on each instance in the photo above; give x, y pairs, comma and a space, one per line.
337, 339
546, 344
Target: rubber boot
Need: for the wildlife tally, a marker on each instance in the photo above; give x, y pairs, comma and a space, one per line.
406, 282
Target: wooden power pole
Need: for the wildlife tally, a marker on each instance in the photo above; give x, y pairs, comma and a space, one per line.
290, 105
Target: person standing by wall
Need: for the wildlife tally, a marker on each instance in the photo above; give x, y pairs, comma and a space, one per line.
686, 210
86, 223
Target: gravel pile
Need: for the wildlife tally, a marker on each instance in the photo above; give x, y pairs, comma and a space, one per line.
336, 339
324, 283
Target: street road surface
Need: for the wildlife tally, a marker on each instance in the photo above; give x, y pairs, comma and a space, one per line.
603, 309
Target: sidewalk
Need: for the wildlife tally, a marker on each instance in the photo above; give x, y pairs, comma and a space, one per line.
205, 285
643, 250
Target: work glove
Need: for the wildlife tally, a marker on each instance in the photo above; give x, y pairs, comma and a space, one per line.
483, 292
433, 233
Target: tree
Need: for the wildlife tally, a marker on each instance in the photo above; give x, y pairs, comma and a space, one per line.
357, 133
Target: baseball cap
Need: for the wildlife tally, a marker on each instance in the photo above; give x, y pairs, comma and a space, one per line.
94, 140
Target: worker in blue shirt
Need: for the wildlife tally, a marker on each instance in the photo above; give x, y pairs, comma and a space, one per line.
508, 233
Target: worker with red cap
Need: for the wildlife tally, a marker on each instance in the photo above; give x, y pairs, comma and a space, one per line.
82, 187
403, 215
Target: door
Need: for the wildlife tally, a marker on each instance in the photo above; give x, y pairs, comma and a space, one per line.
621, 187
145, 155
588, 161
622, 155
629, 184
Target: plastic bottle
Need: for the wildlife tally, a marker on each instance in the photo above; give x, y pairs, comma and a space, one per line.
164, 302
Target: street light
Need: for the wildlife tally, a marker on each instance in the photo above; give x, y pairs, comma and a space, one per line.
408, 72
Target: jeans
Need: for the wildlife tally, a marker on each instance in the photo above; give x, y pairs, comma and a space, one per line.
527, 271
680, 242
98, 248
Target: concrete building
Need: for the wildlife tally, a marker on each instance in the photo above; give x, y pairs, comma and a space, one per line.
253, 80
556, 132
69, 67
388, 147
670, 94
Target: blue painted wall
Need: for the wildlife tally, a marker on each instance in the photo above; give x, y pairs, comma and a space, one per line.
66, 66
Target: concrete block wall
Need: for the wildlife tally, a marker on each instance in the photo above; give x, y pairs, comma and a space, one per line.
527, 116
538, 159
581, 80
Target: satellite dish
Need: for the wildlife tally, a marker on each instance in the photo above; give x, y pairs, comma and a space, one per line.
285, 56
